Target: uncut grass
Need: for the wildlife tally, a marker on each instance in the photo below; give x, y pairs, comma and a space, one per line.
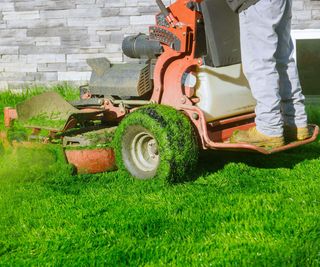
243, 209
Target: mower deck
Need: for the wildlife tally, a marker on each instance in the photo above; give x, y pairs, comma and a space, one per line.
49, 111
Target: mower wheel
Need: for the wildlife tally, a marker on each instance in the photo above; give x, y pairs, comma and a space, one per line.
156, 141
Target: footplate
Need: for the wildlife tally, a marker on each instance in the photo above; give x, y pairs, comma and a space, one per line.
248, 147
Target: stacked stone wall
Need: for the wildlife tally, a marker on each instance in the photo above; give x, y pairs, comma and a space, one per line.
306, 14
48, 41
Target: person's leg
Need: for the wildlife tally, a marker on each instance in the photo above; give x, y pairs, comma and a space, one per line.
259, 43
292, 99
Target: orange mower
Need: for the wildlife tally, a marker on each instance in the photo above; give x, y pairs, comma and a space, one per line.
186, 91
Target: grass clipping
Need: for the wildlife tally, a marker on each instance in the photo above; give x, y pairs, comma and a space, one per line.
31, 161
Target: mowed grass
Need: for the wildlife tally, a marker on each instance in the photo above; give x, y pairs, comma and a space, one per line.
242, 210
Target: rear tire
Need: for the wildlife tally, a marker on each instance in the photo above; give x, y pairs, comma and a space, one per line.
156, 141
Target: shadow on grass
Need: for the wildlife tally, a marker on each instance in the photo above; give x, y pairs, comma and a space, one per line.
209, 162
213, 161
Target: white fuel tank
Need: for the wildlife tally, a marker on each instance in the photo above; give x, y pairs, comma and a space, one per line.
223, 92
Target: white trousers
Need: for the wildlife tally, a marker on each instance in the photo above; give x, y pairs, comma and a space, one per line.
267, 50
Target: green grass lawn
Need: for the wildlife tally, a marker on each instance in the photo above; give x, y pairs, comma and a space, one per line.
242, 210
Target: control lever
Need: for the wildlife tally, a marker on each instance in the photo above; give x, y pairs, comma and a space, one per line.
163, 8
169, 17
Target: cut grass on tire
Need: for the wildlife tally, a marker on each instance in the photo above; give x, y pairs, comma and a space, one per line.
175, 139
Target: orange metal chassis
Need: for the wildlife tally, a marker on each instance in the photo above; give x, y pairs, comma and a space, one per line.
169, 90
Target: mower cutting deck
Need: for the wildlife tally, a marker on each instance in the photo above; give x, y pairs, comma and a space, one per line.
186, 93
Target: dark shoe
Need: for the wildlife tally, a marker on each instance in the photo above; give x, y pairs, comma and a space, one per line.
293, 133
254, 137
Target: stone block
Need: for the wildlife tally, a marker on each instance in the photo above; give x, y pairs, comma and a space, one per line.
56, 31
146, 10
54, 14
84, 13
74, 76
22, 15
110, 12
79, 67
13, 33
74, 58
15, 76
114, 3
9, 50
142, 20
132, 3
47, 41
129, 11
7, 6
2, 24
87, 6
20, 86
44, 5
316, 14
46, 58
44, 76
35, 24
86, 2
4, 86
302, 15
32, 49
9, 58
51, 67
107, 22
19, 67
113, 48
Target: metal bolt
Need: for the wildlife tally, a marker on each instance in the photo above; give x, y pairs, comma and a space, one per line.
195, 116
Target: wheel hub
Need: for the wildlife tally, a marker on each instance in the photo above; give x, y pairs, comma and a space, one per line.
144, 152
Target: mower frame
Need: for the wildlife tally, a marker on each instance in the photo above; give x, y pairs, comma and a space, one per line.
182, 18
178, 35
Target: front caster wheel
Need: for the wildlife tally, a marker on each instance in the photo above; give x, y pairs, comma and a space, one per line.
156, 141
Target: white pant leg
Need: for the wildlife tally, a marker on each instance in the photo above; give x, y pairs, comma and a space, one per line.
259, 43
292, 99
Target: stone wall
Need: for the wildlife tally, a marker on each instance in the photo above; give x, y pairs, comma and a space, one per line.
48, 41
306, 14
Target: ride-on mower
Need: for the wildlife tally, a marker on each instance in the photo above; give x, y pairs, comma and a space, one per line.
186, 92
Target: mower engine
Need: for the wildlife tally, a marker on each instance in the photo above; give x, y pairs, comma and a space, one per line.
126, 81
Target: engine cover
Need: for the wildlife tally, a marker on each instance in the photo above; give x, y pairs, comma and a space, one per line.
123, 80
